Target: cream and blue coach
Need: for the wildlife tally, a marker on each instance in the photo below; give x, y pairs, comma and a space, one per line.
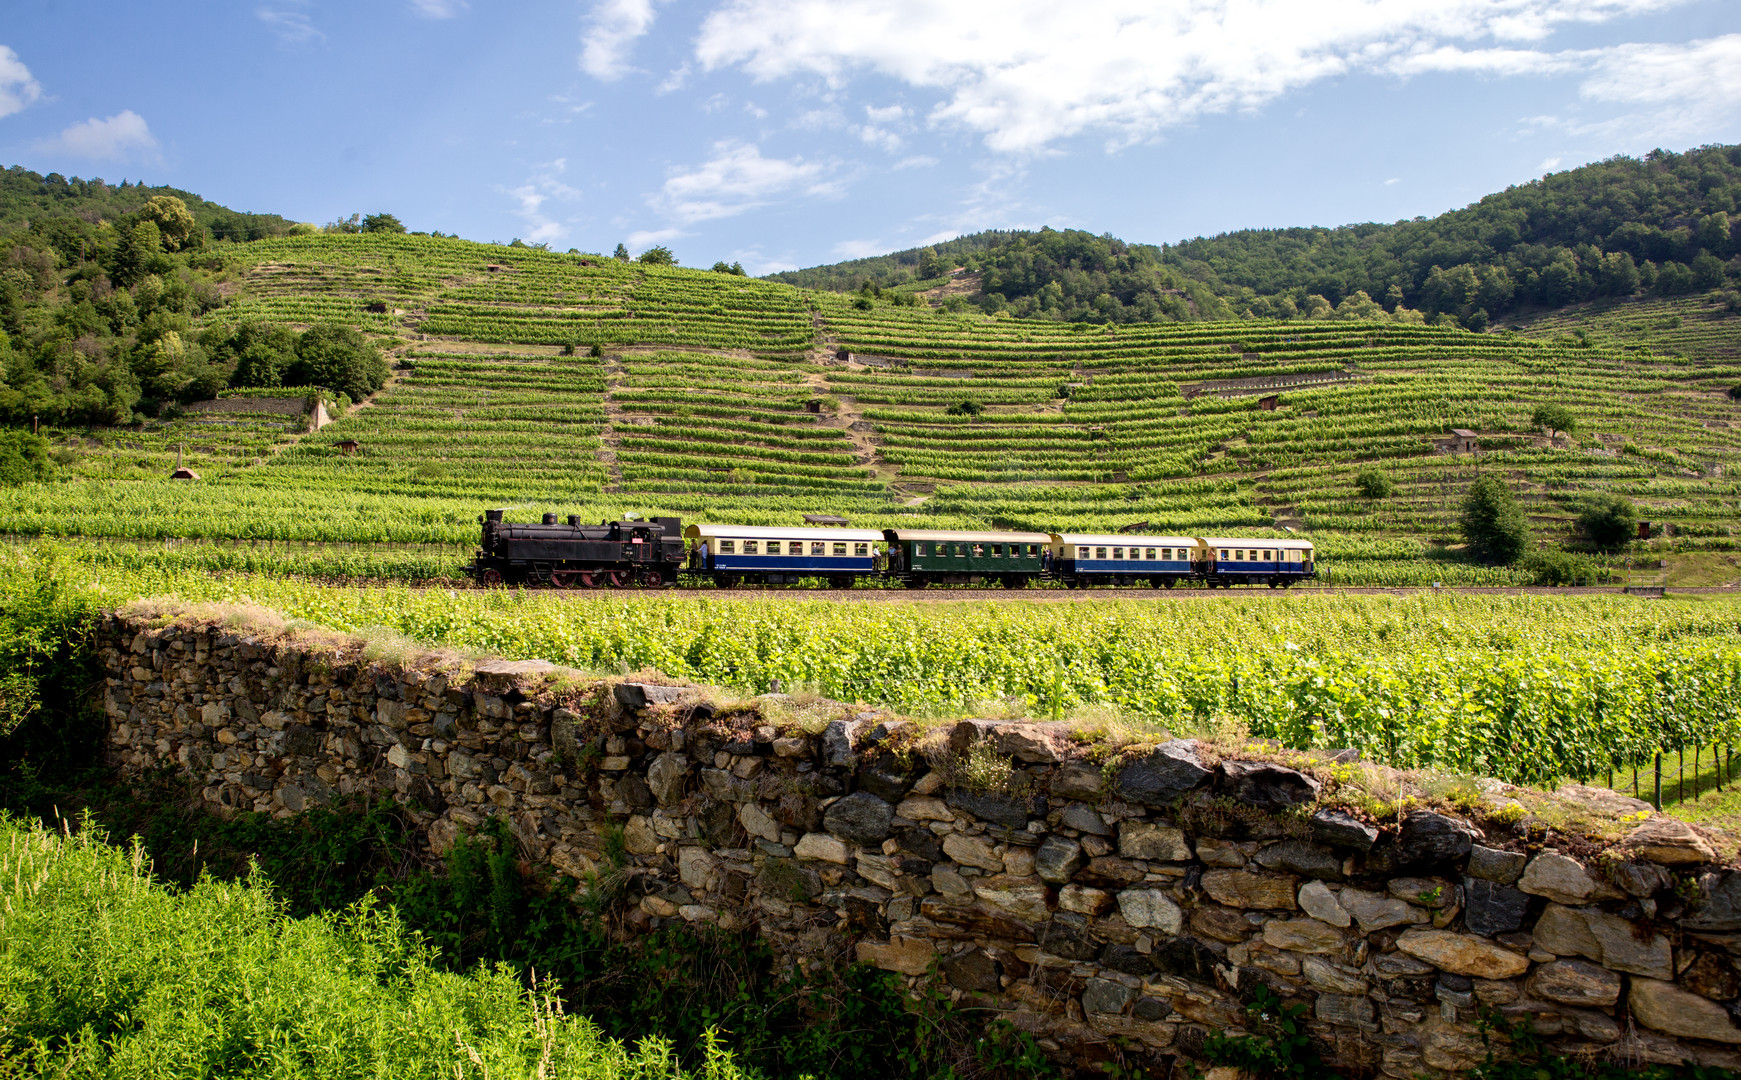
760, 555
1243, 561
1080, 559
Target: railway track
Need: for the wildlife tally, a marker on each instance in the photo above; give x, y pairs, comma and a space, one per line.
947, 595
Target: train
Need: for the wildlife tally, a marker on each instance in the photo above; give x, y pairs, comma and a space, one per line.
661, 552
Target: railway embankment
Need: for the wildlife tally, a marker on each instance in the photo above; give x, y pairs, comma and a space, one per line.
1139, 898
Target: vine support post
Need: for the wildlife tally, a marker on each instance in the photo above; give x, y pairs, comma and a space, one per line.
1656, 797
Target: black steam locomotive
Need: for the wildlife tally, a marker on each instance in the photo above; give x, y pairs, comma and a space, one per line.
572, 555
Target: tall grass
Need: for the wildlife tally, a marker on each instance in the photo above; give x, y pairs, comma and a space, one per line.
106, 973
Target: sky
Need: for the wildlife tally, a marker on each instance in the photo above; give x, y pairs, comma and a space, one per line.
788, 133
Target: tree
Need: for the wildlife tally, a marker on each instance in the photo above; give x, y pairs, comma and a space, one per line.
139, 254
1493, 524
174, 223
1375, 484
1554, 417
338, 358
1609, 522
968, 407
722, 267
657, 256
262, 352
382, 223
621, 254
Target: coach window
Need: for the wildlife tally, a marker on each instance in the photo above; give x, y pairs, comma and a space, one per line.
1224, 555
815, 548
750, 547
773, 548
1033, 551
839, 549
728, 547
1118, 553
1269, 556
1100, 553
1294, 555
860, 550
978, 550
997, 551
1148, 553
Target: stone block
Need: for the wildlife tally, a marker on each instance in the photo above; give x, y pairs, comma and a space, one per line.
1668, 842
1665, 1007
837, 743
1302, 935
923, 808
665, 778
1025, 898
1463, 954
821, 847
1492, 864
1265, 786
1035, 743
1160, 843
1105, 996
1561, 879
1164, 775
632, 695
1331, 977
1336, 828
1085, 901
974, 970
1151, 908
1075, 780
1316, 900
1490, 909
1302, 858
757, 822
1242, 889
1575, 982
972, 851
1057, 859
1346, 1010
998, 809
1220, 924
1083, 819
861, 818
907, 955
1427, 839
1375, 912
1607, 939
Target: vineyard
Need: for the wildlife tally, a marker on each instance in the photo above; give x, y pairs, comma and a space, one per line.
1522, 687
541, 381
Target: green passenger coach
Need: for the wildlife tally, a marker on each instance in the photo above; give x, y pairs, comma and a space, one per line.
922, 557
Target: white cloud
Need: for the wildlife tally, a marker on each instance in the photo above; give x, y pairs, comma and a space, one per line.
1681, 92
438, 9
738, 178
1549, 164
859, 249
18, 88
612, 30
292, 27
1129, 69
641, 241
887, 114
917, 161
881, 138
1393, 180
124, 135
544, 185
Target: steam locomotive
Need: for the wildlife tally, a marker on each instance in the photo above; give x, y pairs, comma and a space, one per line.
660, 552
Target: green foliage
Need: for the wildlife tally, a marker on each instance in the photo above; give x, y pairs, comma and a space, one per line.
1609, 523
46, 613
658, 255
1493, 523
1278, 1045
110, 974
734, 268
24, 458
1552, 567
338, 358
1525, 1056
382, 223
1554, 417
621, 254
175, 225
1374, 484
965, 407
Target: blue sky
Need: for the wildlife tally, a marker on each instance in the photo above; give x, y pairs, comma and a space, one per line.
787, 133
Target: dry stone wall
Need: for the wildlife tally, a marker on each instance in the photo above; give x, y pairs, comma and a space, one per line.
1112, 909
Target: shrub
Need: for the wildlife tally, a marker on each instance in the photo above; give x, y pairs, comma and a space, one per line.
338, 358
1735, 392
1375, 484
1609, 522
1493, 524
1554, 567
24, 458
965, 408
657, 256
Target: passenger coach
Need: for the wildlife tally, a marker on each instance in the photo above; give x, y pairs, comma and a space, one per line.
921, 557
1126, 559
1244, 561
757, 555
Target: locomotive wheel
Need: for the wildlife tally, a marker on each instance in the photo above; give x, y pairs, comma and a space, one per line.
652, 579
617, 578
916, 583
1015, 581
591, 579
490, 578
564, 579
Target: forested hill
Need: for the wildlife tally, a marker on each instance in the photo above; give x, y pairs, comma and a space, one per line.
1665, 224
30, 199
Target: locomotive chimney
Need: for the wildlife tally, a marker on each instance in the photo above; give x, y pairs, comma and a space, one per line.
493, 515
574, 520
549, 519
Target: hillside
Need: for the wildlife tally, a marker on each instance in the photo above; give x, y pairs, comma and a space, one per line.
700, 406
1666, 225
27, 197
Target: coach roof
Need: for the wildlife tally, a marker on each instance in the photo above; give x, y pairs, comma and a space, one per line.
1124, 540
968, 537
765, 532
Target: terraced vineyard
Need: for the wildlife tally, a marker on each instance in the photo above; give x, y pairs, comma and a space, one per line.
717, 396
1703, 327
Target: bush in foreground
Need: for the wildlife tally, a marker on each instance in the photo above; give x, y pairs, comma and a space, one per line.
103, 972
